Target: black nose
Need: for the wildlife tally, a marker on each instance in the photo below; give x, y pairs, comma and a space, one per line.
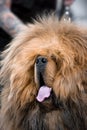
41, 61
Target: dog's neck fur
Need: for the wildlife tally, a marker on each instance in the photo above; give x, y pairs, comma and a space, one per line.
68, 117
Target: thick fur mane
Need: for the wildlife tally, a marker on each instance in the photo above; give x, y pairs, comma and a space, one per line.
64, 45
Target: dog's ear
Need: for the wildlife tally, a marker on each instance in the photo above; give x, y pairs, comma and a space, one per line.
71, 80
17, 74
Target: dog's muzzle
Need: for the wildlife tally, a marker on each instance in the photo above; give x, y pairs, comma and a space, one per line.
41, 63
44, 91
45, 96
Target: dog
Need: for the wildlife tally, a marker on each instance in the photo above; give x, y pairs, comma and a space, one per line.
44, 78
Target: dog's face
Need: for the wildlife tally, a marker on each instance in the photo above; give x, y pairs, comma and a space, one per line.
50, 60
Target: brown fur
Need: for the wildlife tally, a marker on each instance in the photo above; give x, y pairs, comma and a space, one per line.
65, 47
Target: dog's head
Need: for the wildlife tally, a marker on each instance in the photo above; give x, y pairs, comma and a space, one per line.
45, 64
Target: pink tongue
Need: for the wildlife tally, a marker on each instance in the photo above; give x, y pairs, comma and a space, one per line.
44, 92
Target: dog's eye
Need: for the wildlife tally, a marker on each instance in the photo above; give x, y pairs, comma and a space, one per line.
57, 61
53, 57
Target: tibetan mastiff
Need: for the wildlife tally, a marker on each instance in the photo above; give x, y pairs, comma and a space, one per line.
44, 78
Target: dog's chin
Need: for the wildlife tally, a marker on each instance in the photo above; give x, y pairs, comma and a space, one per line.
51, 103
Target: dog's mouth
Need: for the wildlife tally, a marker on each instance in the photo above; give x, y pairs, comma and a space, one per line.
44, 90
46, 97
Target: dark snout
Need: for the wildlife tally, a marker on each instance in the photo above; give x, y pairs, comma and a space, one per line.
41, 63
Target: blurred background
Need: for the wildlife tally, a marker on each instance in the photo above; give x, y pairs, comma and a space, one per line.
25, 10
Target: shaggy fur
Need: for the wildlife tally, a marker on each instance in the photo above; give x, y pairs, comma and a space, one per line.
64, 45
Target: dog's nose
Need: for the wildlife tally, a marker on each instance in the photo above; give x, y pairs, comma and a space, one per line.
41, 61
